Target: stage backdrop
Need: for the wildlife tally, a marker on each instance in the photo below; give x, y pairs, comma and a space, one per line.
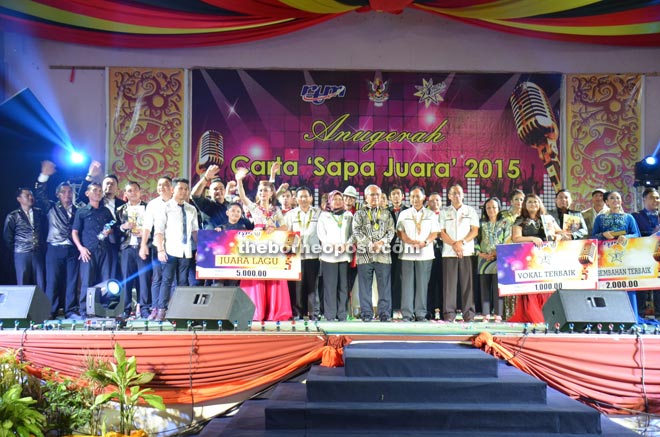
331, 129
146, 125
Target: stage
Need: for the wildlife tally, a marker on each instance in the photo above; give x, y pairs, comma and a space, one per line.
199, 373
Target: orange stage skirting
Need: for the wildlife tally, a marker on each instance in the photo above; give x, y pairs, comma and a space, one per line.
614, 373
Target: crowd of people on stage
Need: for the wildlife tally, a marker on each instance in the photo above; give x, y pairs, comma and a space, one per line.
415, 262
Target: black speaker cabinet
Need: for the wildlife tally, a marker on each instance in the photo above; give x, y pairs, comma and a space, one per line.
213, 305
22, 304
582, 307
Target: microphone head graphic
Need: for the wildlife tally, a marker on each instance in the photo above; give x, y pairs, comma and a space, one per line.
536, 126
588, 254
211, 149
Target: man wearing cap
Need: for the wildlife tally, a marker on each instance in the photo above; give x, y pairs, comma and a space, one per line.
350, 199
598, 207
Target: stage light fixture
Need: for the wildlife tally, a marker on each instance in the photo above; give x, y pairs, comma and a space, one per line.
76, 157
105, 299
647, 172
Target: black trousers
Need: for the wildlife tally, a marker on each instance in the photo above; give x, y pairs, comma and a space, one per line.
307, 293
93, 272
136, 275
62, 269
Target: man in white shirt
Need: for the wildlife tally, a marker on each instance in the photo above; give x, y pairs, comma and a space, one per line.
434, 204
304, 219
417, 228
155, 208
175, 236
130, 215
459, 224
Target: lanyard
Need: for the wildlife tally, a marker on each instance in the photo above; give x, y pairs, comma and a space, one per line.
374, 222
304, 225
418, 223
339, 219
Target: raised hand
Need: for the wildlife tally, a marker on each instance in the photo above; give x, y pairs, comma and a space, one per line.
48, 168
274, 169
241, 173
212, 172
95, 169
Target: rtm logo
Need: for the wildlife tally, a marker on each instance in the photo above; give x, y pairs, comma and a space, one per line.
317, 94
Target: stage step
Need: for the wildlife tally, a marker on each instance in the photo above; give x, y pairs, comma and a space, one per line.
430, 388
560, 416
331, 385
249, 422
418, 360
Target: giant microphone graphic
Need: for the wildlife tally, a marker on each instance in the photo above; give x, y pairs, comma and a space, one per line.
211, 150
536, 126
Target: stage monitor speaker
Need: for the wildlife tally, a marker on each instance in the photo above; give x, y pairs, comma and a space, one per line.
23, 304
583, 307
213, 305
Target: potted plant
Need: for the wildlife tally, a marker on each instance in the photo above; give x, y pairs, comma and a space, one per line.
67, 406
126, 380
18, 417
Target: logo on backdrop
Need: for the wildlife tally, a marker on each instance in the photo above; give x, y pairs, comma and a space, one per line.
430, 93
318, 94
378, 91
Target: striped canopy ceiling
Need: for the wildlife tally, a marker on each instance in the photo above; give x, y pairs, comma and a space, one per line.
192, 23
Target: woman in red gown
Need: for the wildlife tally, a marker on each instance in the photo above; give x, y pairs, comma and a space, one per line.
533, 226
270, 297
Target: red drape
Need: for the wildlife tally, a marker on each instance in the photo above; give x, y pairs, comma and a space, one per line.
189, 366
612, 373
216, 22
615, 374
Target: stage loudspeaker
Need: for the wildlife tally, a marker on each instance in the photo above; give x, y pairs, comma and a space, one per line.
582, 307
23, 304
213, 305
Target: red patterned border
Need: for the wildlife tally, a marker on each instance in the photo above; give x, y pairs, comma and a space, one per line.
604, 119
146, 125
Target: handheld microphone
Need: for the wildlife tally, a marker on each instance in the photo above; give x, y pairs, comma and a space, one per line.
211, 149
588, 254
536, 126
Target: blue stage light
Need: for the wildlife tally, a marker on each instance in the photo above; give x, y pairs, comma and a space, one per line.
76, 157
105, 299
647, 172
113, 287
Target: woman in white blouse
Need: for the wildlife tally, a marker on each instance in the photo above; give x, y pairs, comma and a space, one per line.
334, 232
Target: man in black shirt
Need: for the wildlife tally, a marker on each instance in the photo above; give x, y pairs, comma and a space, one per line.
91, 227
214, 208
62, 264
25, 235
